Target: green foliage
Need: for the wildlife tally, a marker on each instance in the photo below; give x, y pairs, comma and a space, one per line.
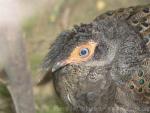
3, 91
29, 25
51, 105
35, 61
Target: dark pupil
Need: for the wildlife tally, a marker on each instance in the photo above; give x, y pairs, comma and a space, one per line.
84, 52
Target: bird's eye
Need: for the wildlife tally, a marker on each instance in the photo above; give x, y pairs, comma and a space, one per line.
84, 52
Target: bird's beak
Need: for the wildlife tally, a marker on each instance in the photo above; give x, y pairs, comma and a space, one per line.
58, 65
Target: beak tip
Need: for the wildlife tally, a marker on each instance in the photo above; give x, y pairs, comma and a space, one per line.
57, 66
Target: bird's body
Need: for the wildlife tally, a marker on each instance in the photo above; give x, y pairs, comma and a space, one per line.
104, 66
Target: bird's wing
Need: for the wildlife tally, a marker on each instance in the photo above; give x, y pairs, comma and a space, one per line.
141, 22
137, 16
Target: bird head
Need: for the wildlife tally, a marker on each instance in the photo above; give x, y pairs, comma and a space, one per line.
83, 59
88, 44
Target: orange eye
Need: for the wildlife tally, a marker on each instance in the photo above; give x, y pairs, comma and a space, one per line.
82, 52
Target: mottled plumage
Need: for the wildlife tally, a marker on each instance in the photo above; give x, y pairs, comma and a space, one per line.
114, 76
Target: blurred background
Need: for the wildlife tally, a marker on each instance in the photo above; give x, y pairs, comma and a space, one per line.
43, 20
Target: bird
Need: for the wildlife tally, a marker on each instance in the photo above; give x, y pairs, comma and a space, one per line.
103, 66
